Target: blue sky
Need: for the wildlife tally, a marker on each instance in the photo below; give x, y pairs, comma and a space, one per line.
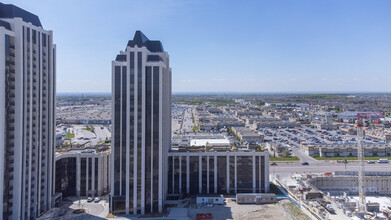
227, 46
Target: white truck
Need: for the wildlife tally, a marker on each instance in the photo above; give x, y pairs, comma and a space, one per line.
382, 161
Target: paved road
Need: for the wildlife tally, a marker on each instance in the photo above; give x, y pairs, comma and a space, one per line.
99, 135
283, 171
187, 121
324, 166
303, 157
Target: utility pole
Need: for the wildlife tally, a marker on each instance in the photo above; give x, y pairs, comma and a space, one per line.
345, 162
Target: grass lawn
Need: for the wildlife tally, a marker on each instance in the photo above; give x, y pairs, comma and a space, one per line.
296, 211
349, 158
283, 159
69, 135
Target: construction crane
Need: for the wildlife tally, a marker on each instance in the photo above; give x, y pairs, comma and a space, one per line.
361, 117
361, 172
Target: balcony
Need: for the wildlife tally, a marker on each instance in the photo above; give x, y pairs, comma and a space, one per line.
10, 62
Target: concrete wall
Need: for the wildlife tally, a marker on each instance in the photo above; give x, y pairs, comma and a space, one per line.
338, 184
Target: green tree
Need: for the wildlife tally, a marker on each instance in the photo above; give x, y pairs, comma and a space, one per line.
286, 153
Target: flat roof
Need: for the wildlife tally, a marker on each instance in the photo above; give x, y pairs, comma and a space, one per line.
82, 150
203, 142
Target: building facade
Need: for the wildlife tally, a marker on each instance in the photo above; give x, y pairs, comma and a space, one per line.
218, 172
27, 114
345, 149
141, 127
82, 172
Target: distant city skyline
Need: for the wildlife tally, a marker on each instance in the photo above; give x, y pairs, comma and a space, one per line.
225, 46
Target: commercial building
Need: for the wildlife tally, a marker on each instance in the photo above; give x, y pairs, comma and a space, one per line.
211, 123
273, 124
218, 172
247, 135
27, 114
276, 148
248, 113
345, 149
82, 172
325, 126
141, 126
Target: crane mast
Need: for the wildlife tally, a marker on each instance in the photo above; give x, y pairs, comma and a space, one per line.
361, 172
361, 154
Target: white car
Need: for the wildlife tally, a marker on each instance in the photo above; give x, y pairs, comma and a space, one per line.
97, 199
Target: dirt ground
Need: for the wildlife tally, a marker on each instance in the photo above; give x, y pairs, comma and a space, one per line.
231, 210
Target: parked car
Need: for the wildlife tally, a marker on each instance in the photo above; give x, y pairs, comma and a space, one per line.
305, 163
383, 161
97, 199
273, 164
90, 199
370, 161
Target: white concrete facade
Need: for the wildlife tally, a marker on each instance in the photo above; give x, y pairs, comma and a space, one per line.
142, 107
27, 118
102, 183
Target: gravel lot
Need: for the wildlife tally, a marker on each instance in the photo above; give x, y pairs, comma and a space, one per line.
231, 210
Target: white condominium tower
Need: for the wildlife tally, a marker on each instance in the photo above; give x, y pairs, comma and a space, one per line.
27, 108
141, 122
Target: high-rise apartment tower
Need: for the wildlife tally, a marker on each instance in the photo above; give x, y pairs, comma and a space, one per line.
141, 126
27, 114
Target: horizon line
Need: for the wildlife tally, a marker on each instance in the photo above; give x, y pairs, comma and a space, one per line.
233, 93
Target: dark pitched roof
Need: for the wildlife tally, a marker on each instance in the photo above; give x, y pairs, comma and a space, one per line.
120, 58
154, 58
140, 40
12, 11
5, 24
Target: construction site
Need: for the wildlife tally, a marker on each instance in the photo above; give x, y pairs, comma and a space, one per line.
345, 194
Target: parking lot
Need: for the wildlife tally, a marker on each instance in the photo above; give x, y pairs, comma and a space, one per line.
292, 137
93, 210
83, 134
